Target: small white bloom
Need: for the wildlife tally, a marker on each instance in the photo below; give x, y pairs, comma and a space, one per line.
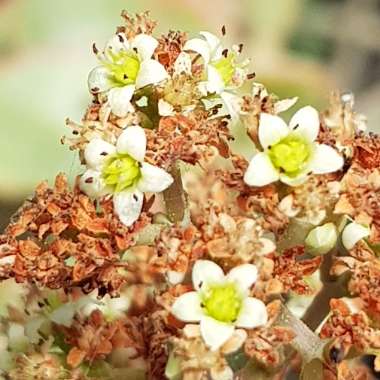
290, 152
221, 302
111, 308
223, 73
353, 233
120, 170
126, 66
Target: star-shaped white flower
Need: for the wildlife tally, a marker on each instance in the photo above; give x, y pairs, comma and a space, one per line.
126, 66
120, 170
223, 73
290, 152
221, 302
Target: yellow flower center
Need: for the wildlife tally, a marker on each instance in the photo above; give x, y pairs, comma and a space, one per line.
225, 67
222, 302
290, 154
123, 66
120, 172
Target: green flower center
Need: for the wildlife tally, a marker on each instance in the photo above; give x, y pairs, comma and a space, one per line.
226, 67
123, 66
120, 172
222, 302
290, 154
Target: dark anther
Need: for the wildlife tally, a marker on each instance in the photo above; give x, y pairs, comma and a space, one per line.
336, 355
89, 180
223, 30
104, 154
296, 127
241, 48
225, 53
94, 48
251, 76
135, 197
135, 50
75, 132
121, 38
125, 76
200, 284
95, 89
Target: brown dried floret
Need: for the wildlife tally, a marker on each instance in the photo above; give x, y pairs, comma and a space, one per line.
60, 239
157, 333
95, 338
312, 201
290, 269
340, 122
176, 250
186, 138
365, 283
349, 329
137, 24
267, 344
263, 201
367, 151
360, 198
169, 47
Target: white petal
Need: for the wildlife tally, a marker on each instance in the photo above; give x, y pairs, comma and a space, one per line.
215, 333
128, 206
284, 104
165, 108
199, 46
353, 233
214, 44
221, 373
245, 275
215, 83
326, 160
150, 72
306, 123
253, 314
187, 307
294, 181
272, 129
96, 151
98, 80
204, 272
233, 104
119, 99
118, 304
260, 171
91, 183
133, 142
145, 45
182, 64
154, 179
116, 43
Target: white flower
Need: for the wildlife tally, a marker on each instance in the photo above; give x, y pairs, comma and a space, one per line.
352, 233
290, 152
126, 66
111, 308
220, 302
120, 170
223, 73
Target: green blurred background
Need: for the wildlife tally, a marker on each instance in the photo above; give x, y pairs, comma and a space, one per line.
298, 47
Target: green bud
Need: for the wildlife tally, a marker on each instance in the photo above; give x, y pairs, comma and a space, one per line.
322, 239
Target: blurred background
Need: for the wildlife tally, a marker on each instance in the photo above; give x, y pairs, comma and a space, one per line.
302, 48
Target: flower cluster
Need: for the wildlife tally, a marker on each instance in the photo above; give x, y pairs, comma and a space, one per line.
174, 256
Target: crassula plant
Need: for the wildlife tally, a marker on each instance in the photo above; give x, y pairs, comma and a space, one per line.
174, 256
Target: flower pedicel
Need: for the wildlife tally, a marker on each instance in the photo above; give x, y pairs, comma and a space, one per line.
173, 256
